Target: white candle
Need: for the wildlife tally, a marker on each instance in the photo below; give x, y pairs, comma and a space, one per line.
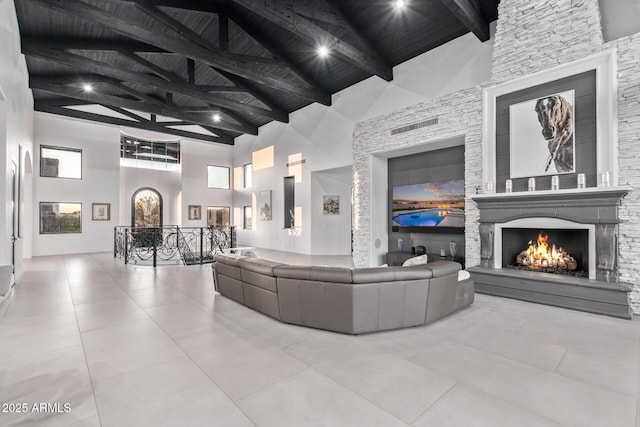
555, 182
532, 184
490, 187
508, 186
582, 181
604, 179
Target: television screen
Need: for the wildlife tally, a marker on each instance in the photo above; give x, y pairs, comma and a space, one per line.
428, 206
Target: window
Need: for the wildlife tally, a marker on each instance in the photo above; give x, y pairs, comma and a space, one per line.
146, 208
248, 218
218, 216
247, 175
58, 162
289, 202
151, 151
218, 177
58, 218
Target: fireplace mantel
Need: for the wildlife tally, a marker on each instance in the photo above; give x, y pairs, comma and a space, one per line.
589, 205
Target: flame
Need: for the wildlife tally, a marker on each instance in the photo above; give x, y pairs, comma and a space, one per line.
540, 254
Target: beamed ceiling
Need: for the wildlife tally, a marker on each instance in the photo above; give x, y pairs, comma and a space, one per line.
170, 65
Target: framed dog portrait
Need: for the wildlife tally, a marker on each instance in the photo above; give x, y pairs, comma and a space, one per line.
194, 212
542, 137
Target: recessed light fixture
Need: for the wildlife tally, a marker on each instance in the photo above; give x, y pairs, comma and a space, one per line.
87, 87
323, 51
399, 4
216, 117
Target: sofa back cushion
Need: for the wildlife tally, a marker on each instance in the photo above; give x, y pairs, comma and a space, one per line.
317, 273
389, 274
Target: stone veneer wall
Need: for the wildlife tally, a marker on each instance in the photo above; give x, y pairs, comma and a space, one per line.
459, 113
629, 163
531, 35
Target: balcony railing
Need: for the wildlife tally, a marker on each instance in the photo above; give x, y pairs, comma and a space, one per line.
171, 244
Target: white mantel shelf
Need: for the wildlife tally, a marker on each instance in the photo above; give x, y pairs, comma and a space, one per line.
548, 195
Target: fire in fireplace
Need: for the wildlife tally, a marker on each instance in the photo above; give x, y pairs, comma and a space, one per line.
542, 256
560, 254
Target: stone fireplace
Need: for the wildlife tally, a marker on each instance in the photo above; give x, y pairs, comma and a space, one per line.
584, 222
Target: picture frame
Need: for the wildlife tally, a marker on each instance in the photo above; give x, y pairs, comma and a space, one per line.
265, 206
248, 218
542, 135
60, 217
331, 205
195, 212
218, 216
101, 211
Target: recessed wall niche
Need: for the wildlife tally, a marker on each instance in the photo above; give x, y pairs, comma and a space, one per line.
445, 164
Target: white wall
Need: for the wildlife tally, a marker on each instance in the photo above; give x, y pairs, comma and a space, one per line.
104, 181
196, 156
331, 233
16, 130
324, 136
99, 184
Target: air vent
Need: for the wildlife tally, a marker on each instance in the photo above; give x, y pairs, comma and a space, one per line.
415, 126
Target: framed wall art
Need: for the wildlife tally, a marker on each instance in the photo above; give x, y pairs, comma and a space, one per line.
331, 205
264, 204
194, 212
101, 211
542, 137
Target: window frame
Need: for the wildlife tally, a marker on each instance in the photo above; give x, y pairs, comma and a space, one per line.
228, 187
247, 167
67, 149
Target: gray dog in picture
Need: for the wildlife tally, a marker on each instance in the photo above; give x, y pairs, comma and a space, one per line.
555, 115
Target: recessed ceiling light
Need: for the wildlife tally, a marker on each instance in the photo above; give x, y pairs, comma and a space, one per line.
87, 87
399, 4
216, 117
323, 51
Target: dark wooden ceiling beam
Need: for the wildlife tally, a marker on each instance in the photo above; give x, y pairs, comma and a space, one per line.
128, 25
471, 17
157, 70
150, 9
97, 67
146, 125
267, 42
254, 90
281, 14
146, 104
67, 43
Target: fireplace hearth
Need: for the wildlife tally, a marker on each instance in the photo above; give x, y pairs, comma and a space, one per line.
584, 223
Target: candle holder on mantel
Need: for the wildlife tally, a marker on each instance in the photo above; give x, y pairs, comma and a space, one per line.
582, 180
508, 186
532, 184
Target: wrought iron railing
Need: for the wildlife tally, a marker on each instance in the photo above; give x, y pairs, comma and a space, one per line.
171, 244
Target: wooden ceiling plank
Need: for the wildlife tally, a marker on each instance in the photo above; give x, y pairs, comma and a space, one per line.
254, 90
280, 13
150, 9
130, 27
271, 46
146, 125
97, 67
159, 71
337, 6
470, 16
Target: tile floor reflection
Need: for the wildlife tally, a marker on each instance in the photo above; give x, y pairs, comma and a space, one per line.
128, 345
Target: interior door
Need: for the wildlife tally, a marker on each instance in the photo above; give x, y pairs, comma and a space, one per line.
16, 241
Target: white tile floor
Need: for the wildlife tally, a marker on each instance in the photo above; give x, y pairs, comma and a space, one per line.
134, 346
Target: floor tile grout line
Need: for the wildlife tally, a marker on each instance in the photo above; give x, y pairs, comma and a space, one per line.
84, 352
442, 396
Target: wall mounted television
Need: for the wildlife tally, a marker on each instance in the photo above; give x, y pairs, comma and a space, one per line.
430, 207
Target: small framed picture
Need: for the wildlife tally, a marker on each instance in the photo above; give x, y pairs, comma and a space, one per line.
194, 212
101, 211
331, 205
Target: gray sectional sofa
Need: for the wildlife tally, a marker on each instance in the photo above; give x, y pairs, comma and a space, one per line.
347, 300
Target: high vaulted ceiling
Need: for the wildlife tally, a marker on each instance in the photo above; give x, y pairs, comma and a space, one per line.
170, 65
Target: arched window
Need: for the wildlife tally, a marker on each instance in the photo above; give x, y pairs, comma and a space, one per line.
146, 208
